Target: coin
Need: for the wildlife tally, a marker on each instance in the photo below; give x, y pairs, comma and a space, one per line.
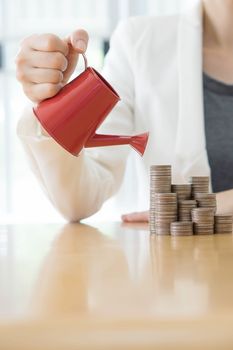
183, 191
163, 204
163, 211
160, 178
203, 219
207, 229
184, 228
184, 209
223, 224
191, 204
200, 184
206, 200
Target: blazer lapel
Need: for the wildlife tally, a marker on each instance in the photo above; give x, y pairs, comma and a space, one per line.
190, 154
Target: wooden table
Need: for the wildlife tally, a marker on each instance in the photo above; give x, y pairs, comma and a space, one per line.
113, 286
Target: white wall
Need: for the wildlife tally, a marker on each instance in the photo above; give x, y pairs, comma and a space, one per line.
168, 6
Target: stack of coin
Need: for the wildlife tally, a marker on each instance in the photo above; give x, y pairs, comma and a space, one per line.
203, 219
185, 208
196, 206
184, 228
160, 178
165, 208
152, 213
160, 182
183, 191
206, 200
200, 184
223, 224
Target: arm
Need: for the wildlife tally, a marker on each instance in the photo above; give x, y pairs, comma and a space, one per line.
78, 186
225, 202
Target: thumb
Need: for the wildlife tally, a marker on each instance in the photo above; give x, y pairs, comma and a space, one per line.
136, 217
77, 43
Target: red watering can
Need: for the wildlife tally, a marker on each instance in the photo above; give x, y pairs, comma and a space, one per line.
75, 113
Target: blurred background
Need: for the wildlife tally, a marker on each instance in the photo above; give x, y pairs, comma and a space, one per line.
21, 199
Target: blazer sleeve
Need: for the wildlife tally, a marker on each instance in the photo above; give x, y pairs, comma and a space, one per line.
78, 186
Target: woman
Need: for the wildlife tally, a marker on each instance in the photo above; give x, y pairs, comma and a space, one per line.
156, 64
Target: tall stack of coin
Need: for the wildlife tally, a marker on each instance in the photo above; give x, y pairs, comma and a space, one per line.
183, 191
165, 207
203, 219
182, 228
160, 182
185, 209
200, 184
152, 210
206, 200
223, 224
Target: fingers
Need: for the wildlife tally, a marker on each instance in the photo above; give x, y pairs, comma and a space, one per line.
77, 42
45, 62
136, 217
40, 76
46, 43
29, 56
52, 60
40, 92
40, 64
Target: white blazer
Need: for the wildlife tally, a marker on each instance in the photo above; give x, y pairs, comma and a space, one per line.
155, 64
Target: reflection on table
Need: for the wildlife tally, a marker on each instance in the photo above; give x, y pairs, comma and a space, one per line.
114, 277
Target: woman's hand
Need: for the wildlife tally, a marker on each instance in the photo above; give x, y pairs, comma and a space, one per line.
45, 63
142, 216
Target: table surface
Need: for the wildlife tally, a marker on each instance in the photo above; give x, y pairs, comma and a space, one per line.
113, 286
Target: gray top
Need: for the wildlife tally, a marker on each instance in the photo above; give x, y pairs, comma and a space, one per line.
218, 110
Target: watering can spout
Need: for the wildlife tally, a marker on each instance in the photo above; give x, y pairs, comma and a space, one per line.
137, 142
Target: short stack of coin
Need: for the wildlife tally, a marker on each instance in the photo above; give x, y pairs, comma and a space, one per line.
200, 184
165, 208
160, 178
203, 219
182, 228
206, 200
185, 208
183, 191
223, 224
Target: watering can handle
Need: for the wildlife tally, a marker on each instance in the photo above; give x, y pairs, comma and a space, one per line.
85, 60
